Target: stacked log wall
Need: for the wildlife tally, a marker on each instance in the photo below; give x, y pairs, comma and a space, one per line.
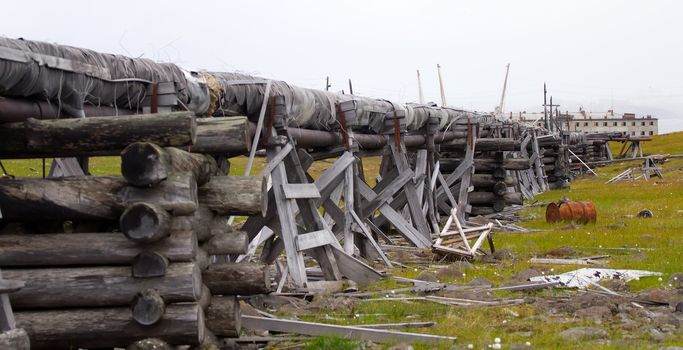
158, 232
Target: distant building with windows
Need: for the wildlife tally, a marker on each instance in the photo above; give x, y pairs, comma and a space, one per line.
597, 122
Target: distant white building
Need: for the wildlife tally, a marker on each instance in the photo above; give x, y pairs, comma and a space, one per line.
596, 122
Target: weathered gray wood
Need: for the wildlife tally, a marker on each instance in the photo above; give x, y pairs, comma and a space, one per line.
90, 197
149, 264
222, 136
203, 222
310, 240
234, 242
14, 339
109, 327
414, 202
237, 278
486, 164
177, 194
402, 226
235, 195
7, 321
10, 286
145, 223
205, 298
286, 217
476, 198
297, 191
320, 329
100, 286
484, 144
223, 316
148, 307
60, 249
94, 136
488, 180
146, 164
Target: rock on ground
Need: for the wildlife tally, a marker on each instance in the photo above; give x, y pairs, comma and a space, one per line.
584, 333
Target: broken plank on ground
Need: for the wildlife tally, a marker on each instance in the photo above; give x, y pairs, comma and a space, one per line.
320, 329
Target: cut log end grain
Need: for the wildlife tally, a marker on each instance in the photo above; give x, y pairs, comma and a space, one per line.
149, 264
144, 164
145, 223
223, 316
148, 307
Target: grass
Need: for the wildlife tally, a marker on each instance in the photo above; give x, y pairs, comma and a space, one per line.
617, 226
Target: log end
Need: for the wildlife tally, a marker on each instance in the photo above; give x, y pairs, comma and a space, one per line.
144, 223
142, 164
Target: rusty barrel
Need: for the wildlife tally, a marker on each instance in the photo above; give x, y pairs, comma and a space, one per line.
581, 211
552, 213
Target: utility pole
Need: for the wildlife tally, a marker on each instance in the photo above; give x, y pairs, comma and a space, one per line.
553, 125
443, 94
350, 87
545, 110
419, 88
502, 96
327, 84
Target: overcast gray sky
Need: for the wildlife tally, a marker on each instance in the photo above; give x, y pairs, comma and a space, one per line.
591, 53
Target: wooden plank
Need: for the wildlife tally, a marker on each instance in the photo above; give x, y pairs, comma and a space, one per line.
352, 332
326, 180
348, 209
386, 194
353, 268
9, 286
7, 321
285, 211
466, 179
399, 325
402, 226
563, 261
314, 239
369, 237
414, 202
297, 191
272, 163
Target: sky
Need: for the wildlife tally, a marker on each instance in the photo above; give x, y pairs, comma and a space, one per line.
592, 54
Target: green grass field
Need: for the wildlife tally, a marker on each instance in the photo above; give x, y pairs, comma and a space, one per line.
617, 226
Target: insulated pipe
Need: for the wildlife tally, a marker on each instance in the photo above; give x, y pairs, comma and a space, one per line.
307, 138
18, 110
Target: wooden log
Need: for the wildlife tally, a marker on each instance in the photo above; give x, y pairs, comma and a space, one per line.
235, 195
94, 136
109, 327
235, 242
90, 197
205, 298
60, 249
223, 317
482, 211
493, 144
499, 188
100, 286
488, 198
223, 136
177, 194
486, 164
237, 279
203, 222
149, 264
145, 223
146, 164
488, 180
148, 307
